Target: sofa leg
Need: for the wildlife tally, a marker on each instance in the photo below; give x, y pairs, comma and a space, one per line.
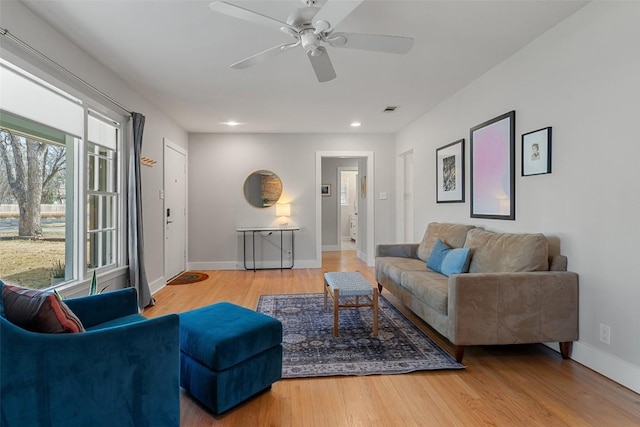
458, 351
379, 288
565, 349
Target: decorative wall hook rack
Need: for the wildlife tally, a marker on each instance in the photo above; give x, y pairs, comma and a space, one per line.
148, 162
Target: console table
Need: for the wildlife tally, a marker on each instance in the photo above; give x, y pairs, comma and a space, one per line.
253, 231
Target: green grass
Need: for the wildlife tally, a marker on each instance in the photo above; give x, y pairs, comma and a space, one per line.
27, 262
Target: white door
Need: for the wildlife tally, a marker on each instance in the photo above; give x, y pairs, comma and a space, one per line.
175, 210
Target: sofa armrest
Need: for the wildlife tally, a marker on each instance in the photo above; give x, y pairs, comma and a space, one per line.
401, 250
511, 308
95, 309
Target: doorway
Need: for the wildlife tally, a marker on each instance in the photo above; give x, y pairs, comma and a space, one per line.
347, 208
175, 210
365, 191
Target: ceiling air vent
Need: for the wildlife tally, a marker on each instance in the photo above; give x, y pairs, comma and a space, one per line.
390, 109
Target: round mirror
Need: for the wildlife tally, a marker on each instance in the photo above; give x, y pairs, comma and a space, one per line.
262, 188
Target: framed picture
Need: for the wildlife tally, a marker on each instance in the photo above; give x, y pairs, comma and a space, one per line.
450, 173
325, 189
493, 168
536, 152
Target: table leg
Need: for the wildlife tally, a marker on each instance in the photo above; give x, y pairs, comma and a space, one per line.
325, 293
253, 249
375, 313
336, 299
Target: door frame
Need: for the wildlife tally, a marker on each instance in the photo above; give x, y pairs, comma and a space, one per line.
170, 145
369, 255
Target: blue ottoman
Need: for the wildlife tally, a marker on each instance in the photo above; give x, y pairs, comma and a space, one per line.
228, 353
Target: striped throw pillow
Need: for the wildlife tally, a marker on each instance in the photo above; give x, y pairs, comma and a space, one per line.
38, 311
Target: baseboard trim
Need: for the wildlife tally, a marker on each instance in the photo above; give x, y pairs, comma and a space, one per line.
610, 366
231, 265
157, 284
224, 265
330, 248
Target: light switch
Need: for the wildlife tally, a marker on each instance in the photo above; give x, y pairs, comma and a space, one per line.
383, 196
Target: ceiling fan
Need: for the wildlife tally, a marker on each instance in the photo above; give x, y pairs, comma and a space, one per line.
311, 27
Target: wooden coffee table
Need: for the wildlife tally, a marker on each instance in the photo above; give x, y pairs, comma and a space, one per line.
350, 284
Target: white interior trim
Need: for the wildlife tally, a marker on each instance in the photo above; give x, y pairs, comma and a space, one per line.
370, 217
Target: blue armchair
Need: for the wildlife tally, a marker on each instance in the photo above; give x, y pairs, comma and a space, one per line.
123, 371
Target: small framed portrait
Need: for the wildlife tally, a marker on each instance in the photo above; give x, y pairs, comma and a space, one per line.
450, 173
325, 189
536, 152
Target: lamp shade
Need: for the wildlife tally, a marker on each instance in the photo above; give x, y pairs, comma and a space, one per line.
283, 209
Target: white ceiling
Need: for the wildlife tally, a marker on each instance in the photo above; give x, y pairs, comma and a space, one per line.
177, 54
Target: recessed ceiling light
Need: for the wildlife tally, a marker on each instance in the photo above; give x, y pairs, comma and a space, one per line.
231, 123
356, 124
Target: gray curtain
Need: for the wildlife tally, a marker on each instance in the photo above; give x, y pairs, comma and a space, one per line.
137, 274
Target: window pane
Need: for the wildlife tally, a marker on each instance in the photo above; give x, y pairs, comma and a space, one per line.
102, 192
100, 249
107, 211
36, 213
101, 171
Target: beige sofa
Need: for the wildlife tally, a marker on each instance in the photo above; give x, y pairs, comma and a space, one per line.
513, 293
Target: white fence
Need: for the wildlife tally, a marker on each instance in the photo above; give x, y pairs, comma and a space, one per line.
12, 210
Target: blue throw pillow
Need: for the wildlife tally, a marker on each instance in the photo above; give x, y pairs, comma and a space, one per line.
439, 251
447, 261
457, 261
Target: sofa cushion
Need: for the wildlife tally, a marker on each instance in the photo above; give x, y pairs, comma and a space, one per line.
393, 267
505, 252
118, 321
447, 260
429, 287
38, 311
453, 235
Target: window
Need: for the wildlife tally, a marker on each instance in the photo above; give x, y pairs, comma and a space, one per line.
102, 196
59, 183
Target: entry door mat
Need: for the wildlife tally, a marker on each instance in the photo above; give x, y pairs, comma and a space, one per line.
189, 277
311, 350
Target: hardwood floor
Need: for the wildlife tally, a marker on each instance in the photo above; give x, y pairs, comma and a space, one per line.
524, 385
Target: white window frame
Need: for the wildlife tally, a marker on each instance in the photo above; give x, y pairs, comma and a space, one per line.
81, 273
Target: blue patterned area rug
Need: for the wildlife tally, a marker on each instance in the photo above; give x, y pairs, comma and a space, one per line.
311, 350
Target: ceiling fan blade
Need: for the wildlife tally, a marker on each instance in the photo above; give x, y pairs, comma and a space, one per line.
375, 42
333, 12
248, 15
261, 57
322, 65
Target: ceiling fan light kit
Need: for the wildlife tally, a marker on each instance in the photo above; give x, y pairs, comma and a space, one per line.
311, 27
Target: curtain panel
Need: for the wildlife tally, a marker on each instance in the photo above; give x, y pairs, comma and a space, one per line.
137, 273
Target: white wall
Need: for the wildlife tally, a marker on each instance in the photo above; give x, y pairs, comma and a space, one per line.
28, 27
219, 164
583, 79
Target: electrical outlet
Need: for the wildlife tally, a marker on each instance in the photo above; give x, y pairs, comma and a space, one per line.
605, 334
